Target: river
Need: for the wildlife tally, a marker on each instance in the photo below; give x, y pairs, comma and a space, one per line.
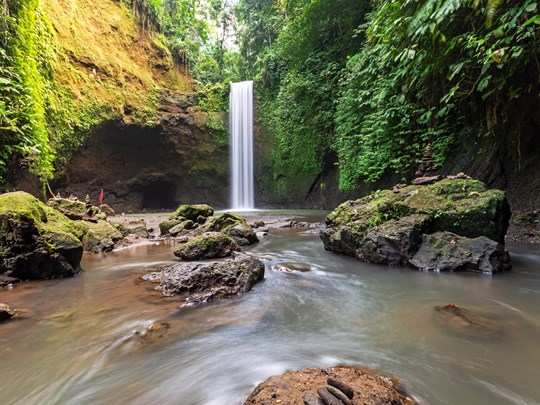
76, 340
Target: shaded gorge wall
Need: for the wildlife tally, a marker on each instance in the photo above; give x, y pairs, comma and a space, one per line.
157, 167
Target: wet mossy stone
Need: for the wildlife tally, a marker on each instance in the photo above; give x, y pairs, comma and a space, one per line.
387, 227
165, 226
233, 225
181, 227
209, 245
192, 212
73, 209
100, 237
36, 241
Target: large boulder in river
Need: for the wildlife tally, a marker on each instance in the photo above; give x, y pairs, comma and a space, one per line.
36, 241
388, 227
202, 282
209, 245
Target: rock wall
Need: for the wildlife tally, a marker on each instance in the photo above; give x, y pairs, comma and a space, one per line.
159, 167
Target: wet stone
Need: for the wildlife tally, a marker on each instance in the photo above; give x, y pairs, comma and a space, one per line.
6, 312
464, 322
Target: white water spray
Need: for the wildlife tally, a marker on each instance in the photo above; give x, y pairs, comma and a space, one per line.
241, 128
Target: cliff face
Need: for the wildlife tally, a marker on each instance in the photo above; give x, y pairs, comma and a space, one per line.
145, 141
106, 58
176, 161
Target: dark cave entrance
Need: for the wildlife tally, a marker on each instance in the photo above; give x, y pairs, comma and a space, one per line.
158, 195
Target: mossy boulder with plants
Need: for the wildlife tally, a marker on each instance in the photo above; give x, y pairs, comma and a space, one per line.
388, 227
37, 242
209, 245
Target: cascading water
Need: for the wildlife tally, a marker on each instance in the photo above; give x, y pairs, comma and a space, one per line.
241, 128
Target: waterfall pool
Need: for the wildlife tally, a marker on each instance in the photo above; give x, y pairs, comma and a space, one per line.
76, 341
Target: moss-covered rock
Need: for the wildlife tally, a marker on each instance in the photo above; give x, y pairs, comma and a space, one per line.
233, 225
181, 227
36, 242
387, 226
73, 209
165, 227
192, 212
100, 237
209, 245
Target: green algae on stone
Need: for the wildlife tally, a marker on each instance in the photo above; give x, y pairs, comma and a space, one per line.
100, 237
386, 226
192, 212
35, 241
233, 225
209, 245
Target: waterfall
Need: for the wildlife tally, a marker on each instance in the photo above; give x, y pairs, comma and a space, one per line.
241, 128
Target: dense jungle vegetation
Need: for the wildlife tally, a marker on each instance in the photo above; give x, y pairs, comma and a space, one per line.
365, 83
374, 81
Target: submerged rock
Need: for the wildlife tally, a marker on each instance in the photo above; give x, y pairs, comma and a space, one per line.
389, 228
209, 245
202, 282
464, 322
336, 385
36, 241
6, 312
291, 267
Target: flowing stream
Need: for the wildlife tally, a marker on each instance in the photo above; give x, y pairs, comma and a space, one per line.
77, 340
241, 134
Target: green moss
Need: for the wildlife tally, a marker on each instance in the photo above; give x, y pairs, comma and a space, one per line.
472, 211
192, 212
23, 204
58, 221
102, 230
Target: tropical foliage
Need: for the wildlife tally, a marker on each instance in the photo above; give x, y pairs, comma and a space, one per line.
376, 81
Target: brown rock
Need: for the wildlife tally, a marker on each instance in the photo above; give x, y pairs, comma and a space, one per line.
328, 398
294, 386
338, 394
426, 180
312, 399
340, 385
464, 322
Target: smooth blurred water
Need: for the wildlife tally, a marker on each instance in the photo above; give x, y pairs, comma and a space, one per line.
74, 343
